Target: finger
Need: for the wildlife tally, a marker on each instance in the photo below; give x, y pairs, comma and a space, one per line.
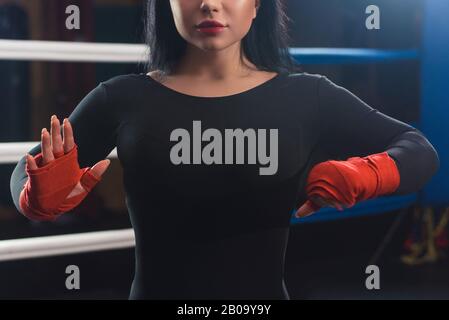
329, 203
332, 203
47, 153
320, 201
335, 205
306, 209
338, 206
323, 202
92, 176
31, 163
56, 138
98, 169
69, 141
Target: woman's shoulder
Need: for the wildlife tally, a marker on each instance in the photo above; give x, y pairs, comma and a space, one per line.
123, 80
321, 83
302, 81
304, 76
123, 88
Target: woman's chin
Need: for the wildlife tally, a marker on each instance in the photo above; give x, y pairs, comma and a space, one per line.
213, 45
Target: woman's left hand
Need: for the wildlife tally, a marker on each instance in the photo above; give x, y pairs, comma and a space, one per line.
344, 183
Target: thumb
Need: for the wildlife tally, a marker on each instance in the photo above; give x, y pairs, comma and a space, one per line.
99, 168
93, 175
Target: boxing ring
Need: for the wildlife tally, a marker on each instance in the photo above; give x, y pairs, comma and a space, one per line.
432, 52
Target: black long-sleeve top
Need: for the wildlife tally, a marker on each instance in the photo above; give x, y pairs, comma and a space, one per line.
219, 230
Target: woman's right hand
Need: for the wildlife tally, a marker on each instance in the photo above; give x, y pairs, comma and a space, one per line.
53, 146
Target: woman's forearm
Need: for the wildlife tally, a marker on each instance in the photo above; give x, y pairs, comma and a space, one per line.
416, 159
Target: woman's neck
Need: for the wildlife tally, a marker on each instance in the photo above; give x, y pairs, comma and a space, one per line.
214, 64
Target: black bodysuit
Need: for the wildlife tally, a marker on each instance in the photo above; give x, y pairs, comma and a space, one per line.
212, 231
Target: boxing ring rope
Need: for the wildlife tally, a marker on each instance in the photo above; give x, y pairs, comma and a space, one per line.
12, 152
71, 51
350, 55
16, 249
121, 52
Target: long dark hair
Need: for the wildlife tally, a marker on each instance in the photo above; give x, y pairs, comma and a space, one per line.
265, 45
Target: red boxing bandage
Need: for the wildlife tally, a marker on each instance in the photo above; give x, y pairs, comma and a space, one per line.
44, 196
356, 179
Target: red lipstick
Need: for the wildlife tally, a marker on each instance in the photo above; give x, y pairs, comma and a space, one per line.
210, 27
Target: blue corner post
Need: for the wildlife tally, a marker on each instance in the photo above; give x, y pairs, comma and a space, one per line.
435, 95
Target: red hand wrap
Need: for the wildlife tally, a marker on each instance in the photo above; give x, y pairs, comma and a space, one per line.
44, 194
356, 179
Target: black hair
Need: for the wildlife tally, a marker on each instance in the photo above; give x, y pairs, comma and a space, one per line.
265, 45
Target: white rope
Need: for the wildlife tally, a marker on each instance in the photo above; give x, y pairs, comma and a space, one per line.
124, 52
12, 152
71, 51
35, 247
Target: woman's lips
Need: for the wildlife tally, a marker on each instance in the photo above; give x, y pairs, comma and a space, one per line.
212, 30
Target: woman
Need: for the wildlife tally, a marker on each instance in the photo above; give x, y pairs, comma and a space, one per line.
208, 225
